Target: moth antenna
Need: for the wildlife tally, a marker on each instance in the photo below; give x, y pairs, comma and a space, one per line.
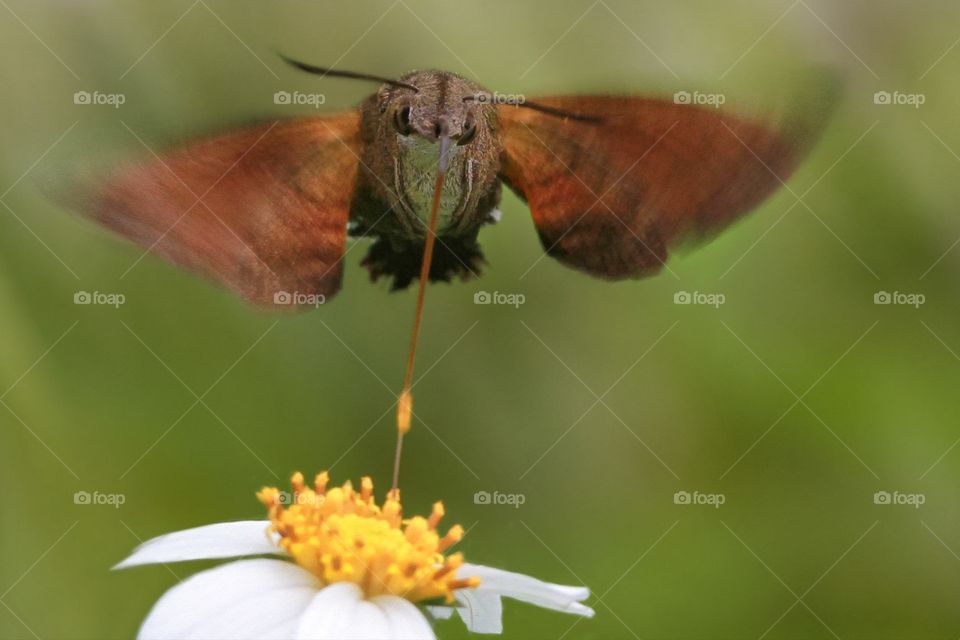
336, 73
542, 108
560, 113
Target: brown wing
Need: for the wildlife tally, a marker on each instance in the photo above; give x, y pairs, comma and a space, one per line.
261, 210
609, 197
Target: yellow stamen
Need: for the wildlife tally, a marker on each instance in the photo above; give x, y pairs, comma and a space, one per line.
454, 535
320, 482
340, 535
296, 482
436, 514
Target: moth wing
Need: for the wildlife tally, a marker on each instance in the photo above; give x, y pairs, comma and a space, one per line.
262, 210
610, 197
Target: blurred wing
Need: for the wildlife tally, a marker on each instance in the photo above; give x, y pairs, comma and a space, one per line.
609, 197
263, 210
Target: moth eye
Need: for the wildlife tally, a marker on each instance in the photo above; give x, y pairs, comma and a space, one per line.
469, 133
401, 119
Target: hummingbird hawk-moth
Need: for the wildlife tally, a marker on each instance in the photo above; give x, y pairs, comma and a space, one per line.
611, 182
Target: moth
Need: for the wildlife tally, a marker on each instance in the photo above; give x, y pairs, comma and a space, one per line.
612, 183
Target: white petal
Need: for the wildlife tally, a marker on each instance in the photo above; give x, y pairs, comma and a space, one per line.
527, 589
221, 540
482, 611
439, 612
260, 598
339, 612
405, 619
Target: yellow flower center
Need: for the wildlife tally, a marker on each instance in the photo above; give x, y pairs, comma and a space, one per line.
341, 535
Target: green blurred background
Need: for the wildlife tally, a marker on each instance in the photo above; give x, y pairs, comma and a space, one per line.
797, 400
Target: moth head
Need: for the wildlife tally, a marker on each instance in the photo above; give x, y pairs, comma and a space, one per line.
443, 104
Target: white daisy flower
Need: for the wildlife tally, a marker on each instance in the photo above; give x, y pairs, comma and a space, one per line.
344, 568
